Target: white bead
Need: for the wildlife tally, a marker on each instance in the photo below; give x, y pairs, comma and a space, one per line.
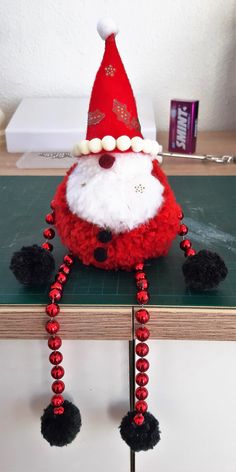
108, 143
95, 145
76, 150
137, 144
155, 148
147, 146
83, 146
123, 143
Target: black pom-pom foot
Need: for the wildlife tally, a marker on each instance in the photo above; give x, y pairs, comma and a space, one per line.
60, 430
204, 271
142, 437
32, 265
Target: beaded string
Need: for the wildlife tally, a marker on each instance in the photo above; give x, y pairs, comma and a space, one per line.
185, 244
142, 334
52, 326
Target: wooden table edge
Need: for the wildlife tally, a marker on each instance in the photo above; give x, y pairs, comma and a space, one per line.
118, 323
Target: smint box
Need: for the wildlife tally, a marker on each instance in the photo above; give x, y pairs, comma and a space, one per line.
56, 124
183, 126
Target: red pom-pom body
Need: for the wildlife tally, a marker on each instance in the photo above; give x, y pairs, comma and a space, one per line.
124, 250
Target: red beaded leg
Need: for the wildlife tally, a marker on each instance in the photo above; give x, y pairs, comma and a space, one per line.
185, 244
142, 334
53, 327
49, 233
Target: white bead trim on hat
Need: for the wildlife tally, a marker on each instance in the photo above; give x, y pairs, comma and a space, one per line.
123, 143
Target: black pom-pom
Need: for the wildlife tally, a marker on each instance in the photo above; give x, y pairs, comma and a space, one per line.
104, 236
100, 254
142, 437
32, 265
204, 271
60, 430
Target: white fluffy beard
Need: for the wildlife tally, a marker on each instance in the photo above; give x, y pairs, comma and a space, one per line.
120, 198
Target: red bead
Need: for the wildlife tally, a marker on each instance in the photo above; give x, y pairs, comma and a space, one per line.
47, 246
142, 365
52, 309
141, 393
58, 410
57, 285
142, 284
142, 349
138, 419
54, 342
185, 244
140, 276
49, 233
180, 215
68, 259
139, 266
141, 406
52, 326
141, 379
190, 252
56, 357
58, 386
50, 218
57, 400
61, 277
142, 316
142, 333
52, 204
64, 268
55, 294
142, 297
183, 230
57, 372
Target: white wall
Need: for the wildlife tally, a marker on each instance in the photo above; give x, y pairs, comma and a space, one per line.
171, 49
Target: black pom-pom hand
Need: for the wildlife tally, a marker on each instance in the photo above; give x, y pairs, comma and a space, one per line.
204, 271
60, 430
32, 265
140, 437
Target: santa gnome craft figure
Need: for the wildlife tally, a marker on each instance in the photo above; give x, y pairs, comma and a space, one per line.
113, 210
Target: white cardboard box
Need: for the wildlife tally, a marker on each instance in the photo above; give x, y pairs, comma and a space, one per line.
56, 124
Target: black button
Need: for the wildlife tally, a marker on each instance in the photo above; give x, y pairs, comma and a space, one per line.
100, 254
104, 236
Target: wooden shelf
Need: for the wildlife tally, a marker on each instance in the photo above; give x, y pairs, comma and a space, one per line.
111, 323
27, 322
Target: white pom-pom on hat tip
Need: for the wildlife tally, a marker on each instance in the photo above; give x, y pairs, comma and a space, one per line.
106, 26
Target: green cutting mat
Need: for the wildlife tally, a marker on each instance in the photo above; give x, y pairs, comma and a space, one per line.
209, 205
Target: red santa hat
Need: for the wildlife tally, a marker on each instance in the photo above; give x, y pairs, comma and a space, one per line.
113, 123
